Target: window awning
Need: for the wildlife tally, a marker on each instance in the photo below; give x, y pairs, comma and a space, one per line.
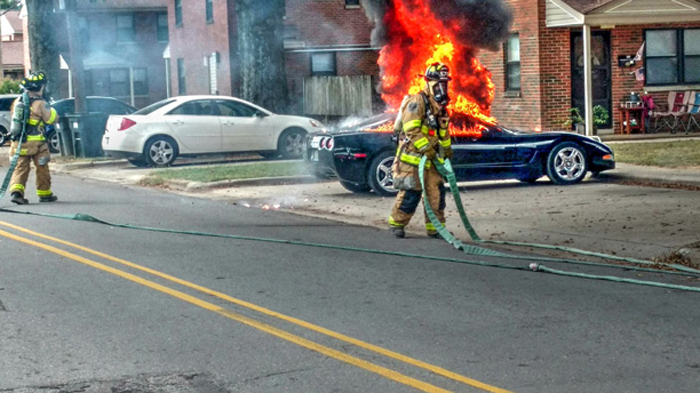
610, 13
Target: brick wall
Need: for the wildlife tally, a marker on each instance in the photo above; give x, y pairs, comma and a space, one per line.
196, 40
518, 111
327, 24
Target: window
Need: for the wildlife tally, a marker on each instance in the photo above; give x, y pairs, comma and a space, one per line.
323, 64
512, 53
181, 77
672, 56
178, 13
125, 28
352, 3
193, 108
210, 11
163, 27
119, 83
83, 30
233, 108
140, 82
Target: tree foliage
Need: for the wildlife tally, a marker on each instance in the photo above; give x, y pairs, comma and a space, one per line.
262, 71
10, 5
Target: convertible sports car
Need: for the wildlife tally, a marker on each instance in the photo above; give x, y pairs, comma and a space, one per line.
361, 155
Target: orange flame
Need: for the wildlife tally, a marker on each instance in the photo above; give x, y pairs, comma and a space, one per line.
418, 39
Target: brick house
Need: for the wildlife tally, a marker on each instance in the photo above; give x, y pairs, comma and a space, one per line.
123, 44
542, 75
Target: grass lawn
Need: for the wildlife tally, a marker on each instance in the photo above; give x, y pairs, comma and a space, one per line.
214, 173
674, 154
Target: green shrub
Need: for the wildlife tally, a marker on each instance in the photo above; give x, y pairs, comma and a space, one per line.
9, 86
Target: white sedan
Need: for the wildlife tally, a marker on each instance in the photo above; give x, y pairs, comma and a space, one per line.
195, 125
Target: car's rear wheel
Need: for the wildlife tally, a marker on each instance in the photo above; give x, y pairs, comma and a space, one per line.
356, 188
567, 164
379, 175
4, 136
160, 151
291, 143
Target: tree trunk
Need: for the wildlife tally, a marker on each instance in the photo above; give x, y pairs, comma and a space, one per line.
261, 53
43, 51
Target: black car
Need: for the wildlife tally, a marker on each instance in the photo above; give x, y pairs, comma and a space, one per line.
361, 157
107, 105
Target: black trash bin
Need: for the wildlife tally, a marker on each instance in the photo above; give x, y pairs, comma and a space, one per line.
87, 130
65, 137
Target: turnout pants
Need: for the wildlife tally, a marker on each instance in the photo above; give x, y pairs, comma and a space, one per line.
407, 201
32, 151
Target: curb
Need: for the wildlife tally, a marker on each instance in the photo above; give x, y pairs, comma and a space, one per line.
188, 186
90, 164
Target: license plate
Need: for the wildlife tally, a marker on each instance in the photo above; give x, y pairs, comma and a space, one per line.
314, 155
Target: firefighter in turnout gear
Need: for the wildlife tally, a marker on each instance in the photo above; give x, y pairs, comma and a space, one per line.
34, 147
422, 127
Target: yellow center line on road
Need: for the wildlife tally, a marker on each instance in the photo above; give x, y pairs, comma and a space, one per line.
339, 336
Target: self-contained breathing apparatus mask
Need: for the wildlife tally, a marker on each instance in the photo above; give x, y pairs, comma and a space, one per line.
437, 75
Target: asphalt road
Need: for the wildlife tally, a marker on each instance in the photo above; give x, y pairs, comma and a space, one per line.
251, 314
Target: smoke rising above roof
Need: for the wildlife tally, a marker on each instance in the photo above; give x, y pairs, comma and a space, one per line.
478, 23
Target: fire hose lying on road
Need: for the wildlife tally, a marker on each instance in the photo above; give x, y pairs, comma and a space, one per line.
445, 169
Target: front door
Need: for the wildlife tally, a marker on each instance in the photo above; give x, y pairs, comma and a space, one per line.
600, 72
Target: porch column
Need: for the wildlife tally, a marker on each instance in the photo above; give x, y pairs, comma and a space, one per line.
131, 85
587, 80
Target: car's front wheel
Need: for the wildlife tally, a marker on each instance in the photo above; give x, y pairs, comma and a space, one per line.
379, 175
567, 164
160, 151
291, 143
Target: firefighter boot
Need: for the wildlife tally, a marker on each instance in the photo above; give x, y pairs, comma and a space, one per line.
398, 232
18, 199
48, 198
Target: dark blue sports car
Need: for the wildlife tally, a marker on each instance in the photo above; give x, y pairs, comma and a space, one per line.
361, 157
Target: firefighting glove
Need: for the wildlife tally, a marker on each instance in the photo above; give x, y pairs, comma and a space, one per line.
447, 153
430, 154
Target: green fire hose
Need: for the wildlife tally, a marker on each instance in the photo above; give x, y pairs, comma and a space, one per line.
471, 249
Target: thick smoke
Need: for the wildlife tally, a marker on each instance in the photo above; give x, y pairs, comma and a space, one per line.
479, 23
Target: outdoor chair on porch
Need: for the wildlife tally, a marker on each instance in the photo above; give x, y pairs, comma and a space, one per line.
693, 112
672, 114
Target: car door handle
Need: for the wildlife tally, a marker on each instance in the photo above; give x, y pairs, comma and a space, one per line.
228, 123
178, 122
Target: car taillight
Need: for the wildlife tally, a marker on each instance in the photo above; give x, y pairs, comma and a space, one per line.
126, 123
329, 143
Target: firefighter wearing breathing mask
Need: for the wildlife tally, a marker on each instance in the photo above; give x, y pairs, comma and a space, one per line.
34, 148
422, 127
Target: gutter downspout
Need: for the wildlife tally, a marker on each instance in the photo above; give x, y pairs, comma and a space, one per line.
587, 80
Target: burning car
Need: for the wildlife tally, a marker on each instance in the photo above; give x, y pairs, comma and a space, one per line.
360, 155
